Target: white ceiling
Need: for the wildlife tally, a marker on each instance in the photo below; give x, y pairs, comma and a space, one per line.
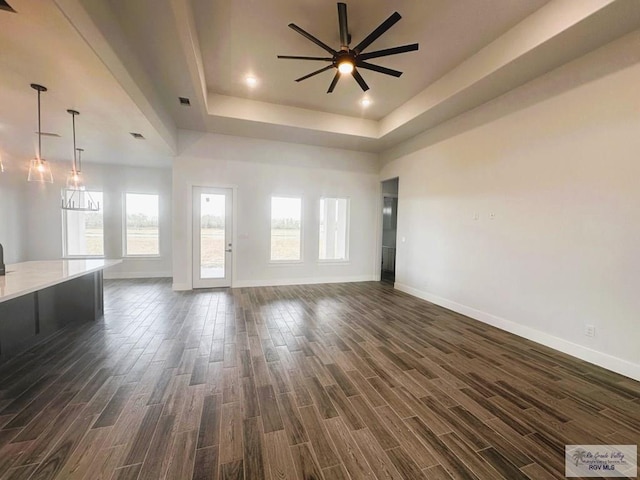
124, 63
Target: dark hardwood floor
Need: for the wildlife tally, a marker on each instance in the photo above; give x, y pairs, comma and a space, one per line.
324, 381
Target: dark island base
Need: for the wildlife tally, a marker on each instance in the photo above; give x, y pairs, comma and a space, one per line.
31, 318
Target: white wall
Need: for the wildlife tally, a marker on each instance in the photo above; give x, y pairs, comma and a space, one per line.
259, 169
44, 215
12, 221
558, 163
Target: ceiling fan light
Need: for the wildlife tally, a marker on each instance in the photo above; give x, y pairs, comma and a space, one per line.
345, 67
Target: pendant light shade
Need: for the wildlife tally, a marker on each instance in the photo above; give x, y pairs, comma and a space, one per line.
39, 170
75, 180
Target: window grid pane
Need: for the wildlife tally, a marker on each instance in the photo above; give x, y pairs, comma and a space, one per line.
286, 228
142, 230
333, 241
84, 231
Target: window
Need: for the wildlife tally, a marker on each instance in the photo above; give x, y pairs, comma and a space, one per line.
334, 221
286, 229
83, 231
141, 224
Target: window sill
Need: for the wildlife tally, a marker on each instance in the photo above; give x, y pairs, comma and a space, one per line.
284, 263
142, 256
334, 262
83, 257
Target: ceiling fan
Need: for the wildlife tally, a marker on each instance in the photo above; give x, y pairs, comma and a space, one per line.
348, 60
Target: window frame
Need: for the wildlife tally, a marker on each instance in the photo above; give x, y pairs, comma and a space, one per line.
125, 253
300, 260
65, 231
347, 232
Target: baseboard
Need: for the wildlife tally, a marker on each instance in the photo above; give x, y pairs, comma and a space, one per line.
604, 360
109, 275
301, 281
180, 287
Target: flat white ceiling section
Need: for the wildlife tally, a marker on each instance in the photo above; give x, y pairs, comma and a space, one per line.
39, 45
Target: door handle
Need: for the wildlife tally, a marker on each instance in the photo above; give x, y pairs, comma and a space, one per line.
228, 250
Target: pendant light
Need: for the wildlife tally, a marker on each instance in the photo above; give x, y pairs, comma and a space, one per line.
74, 178
39, 170
75, 197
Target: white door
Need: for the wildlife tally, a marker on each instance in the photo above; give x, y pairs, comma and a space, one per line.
212, 248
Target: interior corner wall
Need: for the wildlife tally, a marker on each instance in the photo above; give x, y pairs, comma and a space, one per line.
13, 222
531, 221
258, 169
44, 215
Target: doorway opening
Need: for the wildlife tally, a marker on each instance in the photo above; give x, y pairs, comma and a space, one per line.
389, 229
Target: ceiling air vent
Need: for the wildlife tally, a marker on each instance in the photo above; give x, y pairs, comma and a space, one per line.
139, 136
184, 101
5, 6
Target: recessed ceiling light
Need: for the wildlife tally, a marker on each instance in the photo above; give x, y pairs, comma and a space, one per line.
365, 102
139, 136
251, 81
184, 101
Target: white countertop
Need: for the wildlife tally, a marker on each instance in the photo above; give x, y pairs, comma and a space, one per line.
28, 277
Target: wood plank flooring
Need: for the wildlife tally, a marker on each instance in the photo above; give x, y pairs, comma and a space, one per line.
303, 382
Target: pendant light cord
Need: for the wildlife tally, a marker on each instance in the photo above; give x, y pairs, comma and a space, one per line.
75, 165
39, 129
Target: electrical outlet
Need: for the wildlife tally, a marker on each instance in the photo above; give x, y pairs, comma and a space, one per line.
590, 330
492, 216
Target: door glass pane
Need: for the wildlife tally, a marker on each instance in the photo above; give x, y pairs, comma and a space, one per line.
212, 238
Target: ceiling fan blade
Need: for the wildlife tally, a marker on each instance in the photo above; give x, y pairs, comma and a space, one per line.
342, 21
378, 68
373, 36
324, 69
388, 51
308, 36
334, 82
360, 80
295, 57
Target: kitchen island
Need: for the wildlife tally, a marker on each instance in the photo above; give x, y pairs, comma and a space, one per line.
37, 299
